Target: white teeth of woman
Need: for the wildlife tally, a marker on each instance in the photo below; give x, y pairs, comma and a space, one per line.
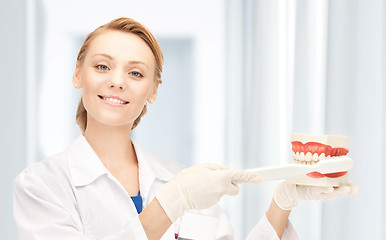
114, 100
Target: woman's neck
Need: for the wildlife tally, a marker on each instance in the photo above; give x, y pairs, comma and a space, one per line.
112, 144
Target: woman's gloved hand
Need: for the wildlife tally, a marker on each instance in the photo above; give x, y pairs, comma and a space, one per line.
200, 187
287, 194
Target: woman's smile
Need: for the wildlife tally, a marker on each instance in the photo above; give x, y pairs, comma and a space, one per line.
113, 101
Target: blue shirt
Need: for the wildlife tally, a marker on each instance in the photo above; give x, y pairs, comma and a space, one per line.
137, 200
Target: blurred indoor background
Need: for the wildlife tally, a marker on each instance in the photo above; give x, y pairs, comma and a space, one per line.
239, 77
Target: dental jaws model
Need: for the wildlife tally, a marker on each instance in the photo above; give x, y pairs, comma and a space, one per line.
311, 149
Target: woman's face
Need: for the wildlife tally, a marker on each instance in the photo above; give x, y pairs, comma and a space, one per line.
117, 78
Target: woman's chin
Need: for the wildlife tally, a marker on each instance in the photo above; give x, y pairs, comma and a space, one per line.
110, 122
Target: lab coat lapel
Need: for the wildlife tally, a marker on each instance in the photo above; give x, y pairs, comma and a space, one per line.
151, 171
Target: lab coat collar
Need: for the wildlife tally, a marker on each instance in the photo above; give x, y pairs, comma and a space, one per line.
85, 166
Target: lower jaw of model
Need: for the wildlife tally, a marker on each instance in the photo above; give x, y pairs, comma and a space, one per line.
310, 149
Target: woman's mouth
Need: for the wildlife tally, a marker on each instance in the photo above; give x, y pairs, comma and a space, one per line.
114, 100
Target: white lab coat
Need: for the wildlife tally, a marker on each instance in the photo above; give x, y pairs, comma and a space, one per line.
71, 195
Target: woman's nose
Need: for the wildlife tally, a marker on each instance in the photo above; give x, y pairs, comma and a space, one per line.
117, 81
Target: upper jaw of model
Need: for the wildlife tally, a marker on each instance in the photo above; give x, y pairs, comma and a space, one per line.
309, 149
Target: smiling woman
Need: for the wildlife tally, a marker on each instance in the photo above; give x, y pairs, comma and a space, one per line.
118, 69
150, 54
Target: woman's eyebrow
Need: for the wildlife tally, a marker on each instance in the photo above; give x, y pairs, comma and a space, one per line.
138, 63
104, 55
130, 62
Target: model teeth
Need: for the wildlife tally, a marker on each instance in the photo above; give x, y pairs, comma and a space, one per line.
315, 157
308, 158
114, 100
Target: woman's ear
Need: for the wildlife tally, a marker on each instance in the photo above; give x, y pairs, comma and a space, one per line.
75, 78
153, 95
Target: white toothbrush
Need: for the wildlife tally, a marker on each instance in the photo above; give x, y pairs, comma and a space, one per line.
330, 165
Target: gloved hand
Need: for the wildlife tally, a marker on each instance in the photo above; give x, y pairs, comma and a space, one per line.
200, 187
287, 194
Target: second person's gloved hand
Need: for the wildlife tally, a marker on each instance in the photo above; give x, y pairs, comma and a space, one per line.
200, 187
287, 194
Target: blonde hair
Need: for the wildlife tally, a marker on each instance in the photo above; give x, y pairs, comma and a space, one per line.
125, 25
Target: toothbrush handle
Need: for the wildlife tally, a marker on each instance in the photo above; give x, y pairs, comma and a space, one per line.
281, 172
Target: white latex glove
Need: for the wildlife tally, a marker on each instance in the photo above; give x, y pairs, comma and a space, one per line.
200, 187
287, 194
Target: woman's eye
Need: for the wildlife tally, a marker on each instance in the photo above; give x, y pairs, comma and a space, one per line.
102, 67
136, 74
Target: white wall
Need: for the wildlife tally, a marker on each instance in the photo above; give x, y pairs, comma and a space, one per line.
356, 107
12, 107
